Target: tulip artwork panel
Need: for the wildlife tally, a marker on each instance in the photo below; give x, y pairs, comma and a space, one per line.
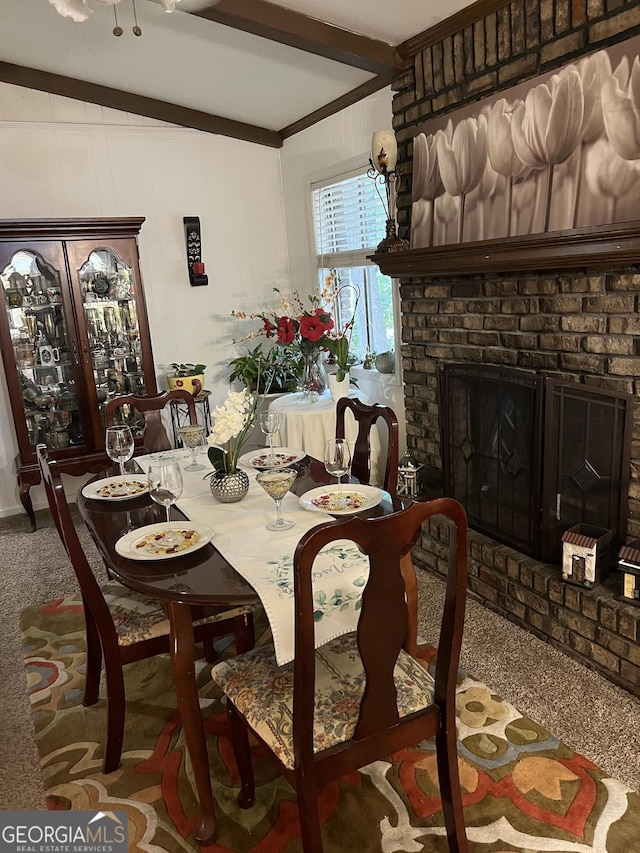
559, 152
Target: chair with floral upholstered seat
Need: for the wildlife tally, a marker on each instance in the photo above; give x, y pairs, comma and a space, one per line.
123, 625
360, 697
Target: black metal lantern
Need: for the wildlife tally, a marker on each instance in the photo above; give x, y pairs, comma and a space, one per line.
409, 476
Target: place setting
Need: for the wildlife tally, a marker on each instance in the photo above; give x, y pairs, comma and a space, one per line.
119, 445
265, 459
270, 457
343, 499
164, 484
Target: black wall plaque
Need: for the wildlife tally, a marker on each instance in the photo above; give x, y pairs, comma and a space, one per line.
194, 251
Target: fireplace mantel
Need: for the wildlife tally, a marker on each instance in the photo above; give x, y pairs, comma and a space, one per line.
597, 247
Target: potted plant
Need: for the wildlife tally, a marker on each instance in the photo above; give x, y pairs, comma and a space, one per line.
189, 377
272, 372
231, 425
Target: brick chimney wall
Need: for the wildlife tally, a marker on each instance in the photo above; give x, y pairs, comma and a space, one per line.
579, 325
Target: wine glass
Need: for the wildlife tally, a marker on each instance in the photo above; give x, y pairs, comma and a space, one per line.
276, 484
192, 435
269, 424
337, 458
165, 487
119, 445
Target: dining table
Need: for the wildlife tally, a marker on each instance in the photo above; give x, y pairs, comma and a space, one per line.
307, 423
242, 564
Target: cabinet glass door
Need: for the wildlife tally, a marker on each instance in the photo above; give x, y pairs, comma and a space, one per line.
111, 318
43, 350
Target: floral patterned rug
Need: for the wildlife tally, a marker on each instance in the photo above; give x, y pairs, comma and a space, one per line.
524, 790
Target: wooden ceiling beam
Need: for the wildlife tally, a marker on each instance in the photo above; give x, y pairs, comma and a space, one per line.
93, 93
285, 26
341, 103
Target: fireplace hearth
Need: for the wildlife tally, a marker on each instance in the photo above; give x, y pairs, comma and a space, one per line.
530, 456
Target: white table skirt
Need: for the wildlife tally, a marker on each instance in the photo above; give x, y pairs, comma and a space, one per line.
264, 557
307, 426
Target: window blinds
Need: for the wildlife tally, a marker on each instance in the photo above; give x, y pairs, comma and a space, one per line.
349, 217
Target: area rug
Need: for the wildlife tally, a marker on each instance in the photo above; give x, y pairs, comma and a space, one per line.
524, 790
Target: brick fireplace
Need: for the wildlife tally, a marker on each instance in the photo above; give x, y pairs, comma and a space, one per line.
577, 327
564, 306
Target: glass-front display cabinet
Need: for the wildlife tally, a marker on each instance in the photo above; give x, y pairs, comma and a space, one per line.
73, 335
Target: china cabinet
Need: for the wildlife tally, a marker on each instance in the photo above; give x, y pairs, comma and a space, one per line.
73, 334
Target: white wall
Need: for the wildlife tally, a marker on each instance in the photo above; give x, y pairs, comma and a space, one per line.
316, 152
62, 158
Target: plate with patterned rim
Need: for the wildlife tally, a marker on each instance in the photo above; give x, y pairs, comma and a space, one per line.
283, 456
347, 501
150, 542
117, 488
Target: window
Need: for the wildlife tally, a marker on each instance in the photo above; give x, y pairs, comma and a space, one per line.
349, 222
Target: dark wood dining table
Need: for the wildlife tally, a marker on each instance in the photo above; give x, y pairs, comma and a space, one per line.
202, 577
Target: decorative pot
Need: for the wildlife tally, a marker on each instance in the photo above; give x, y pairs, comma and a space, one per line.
194, 384
229, 488
314, 375
386, 362
338, 389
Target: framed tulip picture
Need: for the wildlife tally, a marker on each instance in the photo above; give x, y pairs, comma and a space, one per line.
558, 152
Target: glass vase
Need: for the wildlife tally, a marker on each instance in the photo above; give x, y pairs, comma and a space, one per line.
314, 376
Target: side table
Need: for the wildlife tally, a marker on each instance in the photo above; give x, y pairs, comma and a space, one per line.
180, 414
307, 426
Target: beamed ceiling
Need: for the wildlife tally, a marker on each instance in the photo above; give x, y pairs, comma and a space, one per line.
249, 69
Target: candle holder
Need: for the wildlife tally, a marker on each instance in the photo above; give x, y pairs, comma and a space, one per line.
197, 277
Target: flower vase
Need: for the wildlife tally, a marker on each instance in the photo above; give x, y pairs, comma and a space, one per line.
339, 388
314, 376
229, 488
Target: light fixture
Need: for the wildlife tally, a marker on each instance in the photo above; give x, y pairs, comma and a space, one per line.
384, 170
81, 10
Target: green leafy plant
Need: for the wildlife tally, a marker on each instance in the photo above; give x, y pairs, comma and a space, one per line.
272, 371
180, 369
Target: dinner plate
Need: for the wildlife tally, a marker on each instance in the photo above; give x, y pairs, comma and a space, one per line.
284, 456
141, 544
117, 488
350, 500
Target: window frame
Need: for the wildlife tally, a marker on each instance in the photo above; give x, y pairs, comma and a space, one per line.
352, 258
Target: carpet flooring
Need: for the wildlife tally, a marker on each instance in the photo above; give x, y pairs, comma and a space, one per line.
590, 714
523, 789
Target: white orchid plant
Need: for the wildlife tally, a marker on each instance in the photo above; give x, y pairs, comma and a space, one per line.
231, 425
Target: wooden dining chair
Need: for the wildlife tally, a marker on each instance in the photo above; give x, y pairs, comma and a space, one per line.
366, 416
123, 625
371, 698
154, 435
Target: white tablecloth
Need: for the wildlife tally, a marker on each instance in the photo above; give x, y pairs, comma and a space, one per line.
307, 426
264, 557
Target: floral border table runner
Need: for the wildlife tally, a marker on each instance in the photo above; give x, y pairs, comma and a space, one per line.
265, 558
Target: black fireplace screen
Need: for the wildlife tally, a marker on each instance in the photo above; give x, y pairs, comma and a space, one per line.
529, 457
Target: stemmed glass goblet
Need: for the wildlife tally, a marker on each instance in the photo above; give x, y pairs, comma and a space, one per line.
276, 484
337, 458
269, 424
165, 487
119, 444
192, 435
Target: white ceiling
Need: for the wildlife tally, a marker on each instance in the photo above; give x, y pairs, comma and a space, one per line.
189, 61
